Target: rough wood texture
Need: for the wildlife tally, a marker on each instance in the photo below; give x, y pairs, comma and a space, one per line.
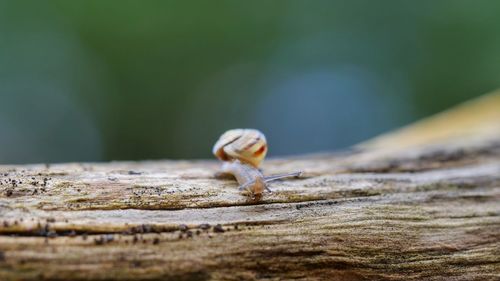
420, 203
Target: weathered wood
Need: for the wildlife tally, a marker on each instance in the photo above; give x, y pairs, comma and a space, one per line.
420, 203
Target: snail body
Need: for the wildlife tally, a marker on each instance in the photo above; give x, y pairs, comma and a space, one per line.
242, 151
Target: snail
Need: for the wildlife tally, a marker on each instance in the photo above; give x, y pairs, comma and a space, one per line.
242, 151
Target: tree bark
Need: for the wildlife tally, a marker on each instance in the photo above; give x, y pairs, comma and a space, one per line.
418, 203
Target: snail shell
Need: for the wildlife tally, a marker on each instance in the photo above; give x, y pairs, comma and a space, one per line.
247, 145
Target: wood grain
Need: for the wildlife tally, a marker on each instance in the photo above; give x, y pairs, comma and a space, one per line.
421, 203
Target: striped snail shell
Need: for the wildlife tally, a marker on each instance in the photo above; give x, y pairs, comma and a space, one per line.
246, 145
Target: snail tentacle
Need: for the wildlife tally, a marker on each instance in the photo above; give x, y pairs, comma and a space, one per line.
281, 176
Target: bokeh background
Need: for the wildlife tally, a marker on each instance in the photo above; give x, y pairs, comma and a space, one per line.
115, 80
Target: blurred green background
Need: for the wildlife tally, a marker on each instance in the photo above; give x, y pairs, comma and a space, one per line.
113, 80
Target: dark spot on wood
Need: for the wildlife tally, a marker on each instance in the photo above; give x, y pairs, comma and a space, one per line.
99, 241
204, 226
218, 228
183, 227
147, 228
9, 192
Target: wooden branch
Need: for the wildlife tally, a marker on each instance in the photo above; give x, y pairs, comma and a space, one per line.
419, 203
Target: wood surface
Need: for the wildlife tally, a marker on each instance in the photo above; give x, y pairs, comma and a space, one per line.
420, 203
